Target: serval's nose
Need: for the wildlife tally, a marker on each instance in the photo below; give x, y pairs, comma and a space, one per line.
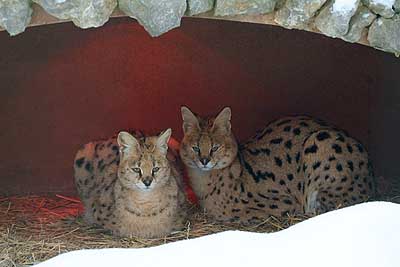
205, 161
147, 181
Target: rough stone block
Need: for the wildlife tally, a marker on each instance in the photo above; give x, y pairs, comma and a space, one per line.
241, 7
15, 15
83, 13
361, 20
381, 7
384, 34
195, 7
156, 16
297, 13
334, 18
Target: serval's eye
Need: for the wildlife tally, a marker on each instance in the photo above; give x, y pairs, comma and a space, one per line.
215, 148
196, 149
156, 169
137, 170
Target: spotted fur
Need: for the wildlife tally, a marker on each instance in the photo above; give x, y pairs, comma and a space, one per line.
294, 165
130, 186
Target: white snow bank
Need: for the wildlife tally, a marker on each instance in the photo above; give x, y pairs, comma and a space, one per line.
366, 235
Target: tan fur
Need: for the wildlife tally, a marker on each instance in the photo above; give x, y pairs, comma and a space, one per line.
295, 165
110, 176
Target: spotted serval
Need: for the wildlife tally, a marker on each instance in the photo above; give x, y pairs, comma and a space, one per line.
295, 165
130, 185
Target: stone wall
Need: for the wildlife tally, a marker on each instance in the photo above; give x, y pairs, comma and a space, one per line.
349, 20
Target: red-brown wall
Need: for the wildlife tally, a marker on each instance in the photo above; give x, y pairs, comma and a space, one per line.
62, 86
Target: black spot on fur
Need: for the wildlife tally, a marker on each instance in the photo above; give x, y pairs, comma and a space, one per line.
283, 122
339, 167
349, 148
296, 131
287, 129
287, 201
276, 141
288, 144
79, 162
338, 188
249, 194
235, 210
323, 136
241, 187
304, 167
260, 205
311, 149
361, 164
337, 148
273, 206
316, 165
327, 167
332, 158
299, 186
297, 157
256, 152
290, 177
263, 133
88, 166
278, 162
263, 196
282, 182
115, 148
360, 148
244, 201
344, 179
258, 176
288, 158
340, 138
304, 124
350, 165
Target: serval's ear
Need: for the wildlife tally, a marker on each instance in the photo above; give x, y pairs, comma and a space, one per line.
190, 121
162, 141
222, 123
127, 143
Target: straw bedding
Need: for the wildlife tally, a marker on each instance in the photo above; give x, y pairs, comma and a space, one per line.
36, 228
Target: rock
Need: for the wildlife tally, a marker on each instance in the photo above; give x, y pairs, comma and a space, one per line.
361, 20
384, 34
396, 6
297, 13
334, 18
15, 15
381, 7
156, 16
195, 7
83, 13
240, 7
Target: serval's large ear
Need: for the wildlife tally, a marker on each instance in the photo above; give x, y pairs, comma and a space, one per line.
162, 141
127, 143
190, 121
222, 123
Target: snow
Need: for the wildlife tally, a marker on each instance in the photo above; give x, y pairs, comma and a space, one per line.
344, 6
366, 235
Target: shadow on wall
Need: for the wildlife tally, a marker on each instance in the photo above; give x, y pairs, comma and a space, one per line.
62, 87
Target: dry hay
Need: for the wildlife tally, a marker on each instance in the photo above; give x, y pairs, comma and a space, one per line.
36, 228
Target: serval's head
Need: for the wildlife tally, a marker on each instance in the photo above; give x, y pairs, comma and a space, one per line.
208, 142
143, 162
